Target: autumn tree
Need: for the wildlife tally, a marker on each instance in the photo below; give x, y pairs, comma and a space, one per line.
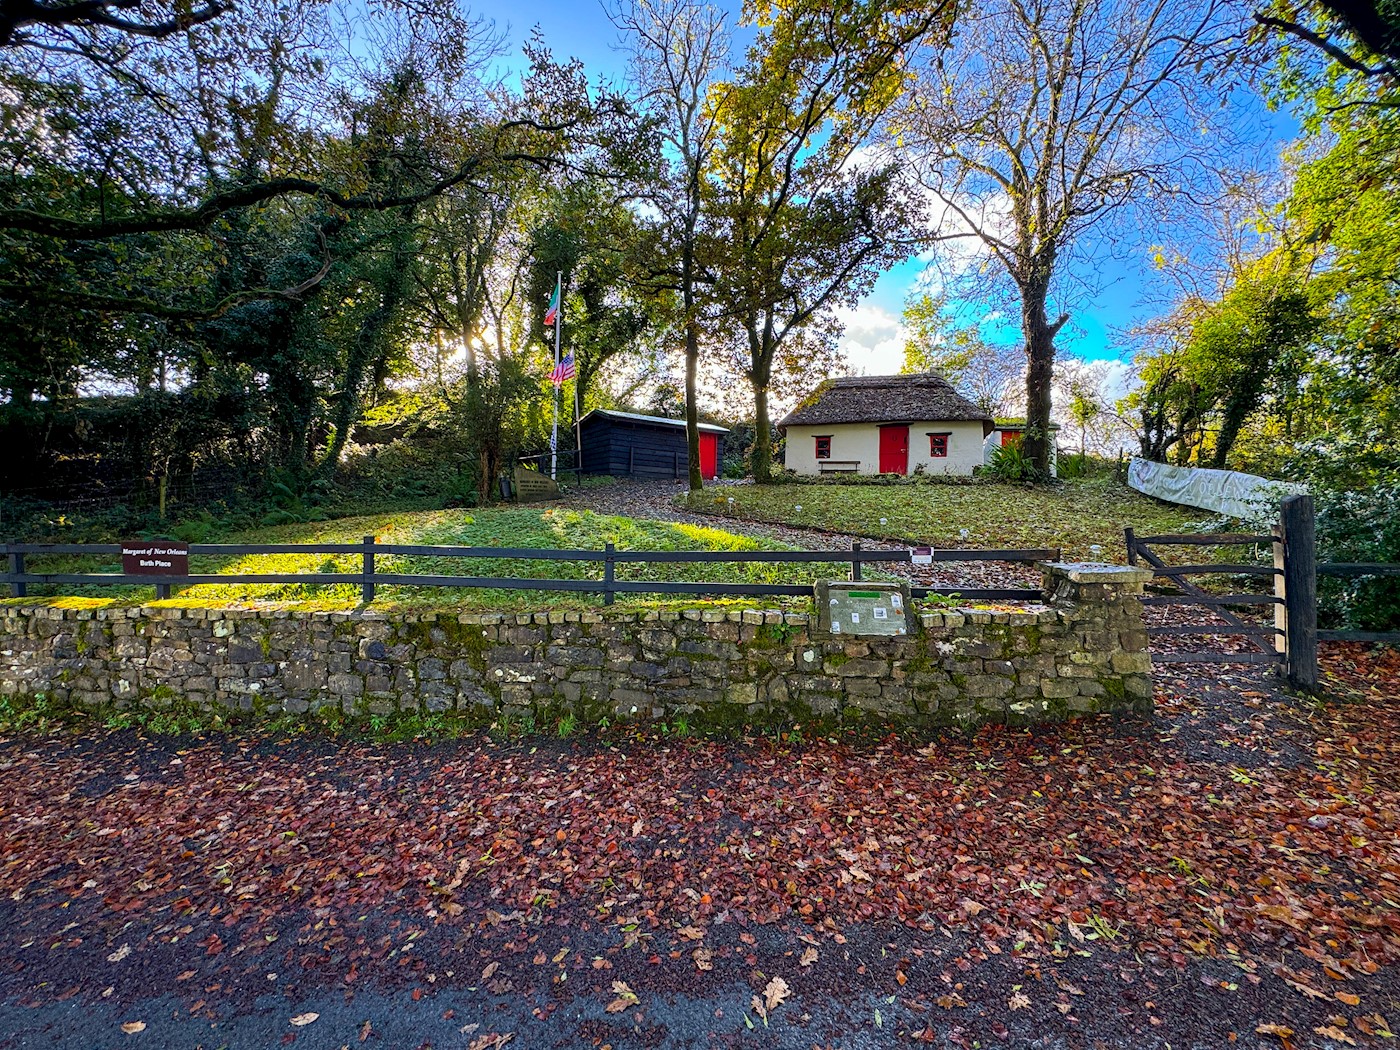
804, 222
986, 373
679, 50
1044, 122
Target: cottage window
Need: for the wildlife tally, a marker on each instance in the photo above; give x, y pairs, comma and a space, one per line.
824, 447
938, 446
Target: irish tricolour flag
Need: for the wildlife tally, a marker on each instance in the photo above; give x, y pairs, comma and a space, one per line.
552, 314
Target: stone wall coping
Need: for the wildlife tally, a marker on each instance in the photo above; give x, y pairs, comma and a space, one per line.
1096, 572
941, 615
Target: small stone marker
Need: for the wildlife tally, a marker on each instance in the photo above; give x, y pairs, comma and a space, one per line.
921, 556
531, 486
849, 607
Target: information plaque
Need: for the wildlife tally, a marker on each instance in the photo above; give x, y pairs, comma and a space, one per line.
531, 486
855, 607
155, 558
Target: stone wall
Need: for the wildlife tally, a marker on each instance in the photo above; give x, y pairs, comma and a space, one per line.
1083, 651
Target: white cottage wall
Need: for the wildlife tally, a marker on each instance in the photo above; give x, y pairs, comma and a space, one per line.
860, 442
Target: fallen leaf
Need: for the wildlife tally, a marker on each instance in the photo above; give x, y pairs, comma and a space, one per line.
120, 954
809, 956
1334, 1033
301, 1020
1350, 998
1280, 1030
690, 933
951, 1001
625, 998
365, 1030
775, 993
132, 1027
491, 968
704, 959
1018, 1001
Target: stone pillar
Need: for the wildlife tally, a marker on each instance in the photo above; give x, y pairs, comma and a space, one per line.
1100, 605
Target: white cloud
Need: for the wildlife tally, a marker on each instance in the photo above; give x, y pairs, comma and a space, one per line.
873, 341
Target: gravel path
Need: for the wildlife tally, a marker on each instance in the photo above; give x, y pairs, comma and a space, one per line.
656, 500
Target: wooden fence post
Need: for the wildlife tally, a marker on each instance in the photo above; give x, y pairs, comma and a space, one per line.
855, 562
1295, 554
1130, 541
17, 590
609, 565
367, 584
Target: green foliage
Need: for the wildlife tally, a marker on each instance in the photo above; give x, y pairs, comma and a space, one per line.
1009, 462
983, 373
37, 715
1227, 362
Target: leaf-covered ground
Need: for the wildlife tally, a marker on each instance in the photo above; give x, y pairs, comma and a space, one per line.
1075, 515
1226, 872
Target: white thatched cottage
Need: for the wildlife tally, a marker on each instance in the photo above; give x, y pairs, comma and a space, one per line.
885, 425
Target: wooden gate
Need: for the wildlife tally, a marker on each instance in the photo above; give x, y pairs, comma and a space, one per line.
1263, 637
1291, 642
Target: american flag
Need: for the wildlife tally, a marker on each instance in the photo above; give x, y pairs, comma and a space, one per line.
563, 370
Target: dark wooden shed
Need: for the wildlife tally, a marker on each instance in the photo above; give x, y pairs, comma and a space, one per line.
631, 445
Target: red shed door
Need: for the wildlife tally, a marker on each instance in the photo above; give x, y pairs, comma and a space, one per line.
709, 455
894, 450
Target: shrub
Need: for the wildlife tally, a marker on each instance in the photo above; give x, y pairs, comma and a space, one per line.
1010, 463
1359, 527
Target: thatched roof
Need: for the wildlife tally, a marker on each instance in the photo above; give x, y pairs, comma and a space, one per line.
926, 397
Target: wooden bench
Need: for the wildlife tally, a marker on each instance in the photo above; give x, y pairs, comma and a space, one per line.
837, 466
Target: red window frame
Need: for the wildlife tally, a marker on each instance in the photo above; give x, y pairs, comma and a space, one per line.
938, 446
823, 446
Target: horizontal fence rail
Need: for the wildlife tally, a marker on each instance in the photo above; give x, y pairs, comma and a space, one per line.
369, 576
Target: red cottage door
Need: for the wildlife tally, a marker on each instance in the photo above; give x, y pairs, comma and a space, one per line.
894, 450
709, 456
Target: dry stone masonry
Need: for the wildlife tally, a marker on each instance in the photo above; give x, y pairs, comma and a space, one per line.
1083, 651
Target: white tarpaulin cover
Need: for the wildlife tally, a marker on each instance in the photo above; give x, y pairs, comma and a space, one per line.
1229, 492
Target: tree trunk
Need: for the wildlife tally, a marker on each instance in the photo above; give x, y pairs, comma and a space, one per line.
1040, 372
692, 356
762, 459
370, 343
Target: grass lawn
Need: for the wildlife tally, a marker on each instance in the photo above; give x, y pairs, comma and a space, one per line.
1073, 515
538, 527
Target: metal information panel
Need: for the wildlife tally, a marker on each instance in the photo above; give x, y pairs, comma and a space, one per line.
859, 608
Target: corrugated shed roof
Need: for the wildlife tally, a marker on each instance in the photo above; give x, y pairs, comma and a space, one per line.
924, 397
637, 417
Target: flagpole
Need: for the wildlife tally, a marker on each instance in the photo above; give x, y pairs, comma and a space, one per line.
558, 319
578, 437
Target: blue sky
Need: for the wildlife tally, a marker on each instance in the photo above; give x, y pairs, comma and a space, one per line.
1119, 289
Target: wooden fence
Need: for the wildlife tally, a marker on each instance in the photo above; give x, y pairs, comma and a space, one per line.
1291, 641
19, 576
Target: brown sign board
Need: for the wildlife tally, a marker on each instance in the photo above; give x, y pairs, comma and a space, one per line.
531, 486
155, 558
